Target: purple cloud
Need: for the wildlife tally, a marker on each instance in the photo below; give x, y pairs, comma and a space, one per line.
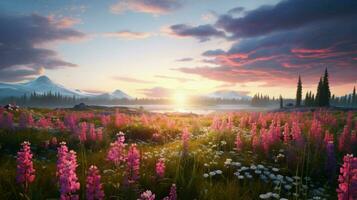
202, 32
20, 39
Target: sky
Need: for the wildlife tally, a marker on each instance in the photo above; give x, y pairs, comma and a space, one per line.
157, 48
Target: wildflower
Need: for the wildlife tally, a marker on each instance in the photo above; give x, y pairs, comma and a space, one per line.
25, 173
330, 165
147, 195
94, 190
116, 150
160, 168
347, 188
172, 194
62, 152
91, 131
205, 175
82, 131
68, 180
133, 164
238, 142
185, 140
344, 144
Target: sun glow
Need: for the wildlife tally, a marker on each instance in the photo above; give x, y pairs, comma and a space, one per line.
180, 99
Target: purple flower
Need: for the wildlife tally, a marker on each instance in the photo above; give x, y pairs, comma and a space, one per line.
94, 190
25, 173
160, 168
347, 188
116, 150
147, 195
133, 164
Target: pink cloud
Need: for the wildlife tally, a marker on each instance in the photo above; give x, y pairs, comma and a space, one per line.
145, 6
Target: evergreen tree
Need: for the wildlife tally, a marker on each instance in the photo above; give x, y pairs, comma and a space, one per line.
326, 93
319, 94
281, 102
299, 93
354, 100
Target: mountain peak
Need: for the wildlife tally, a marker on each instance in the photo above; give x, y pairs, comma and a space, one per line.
43, 79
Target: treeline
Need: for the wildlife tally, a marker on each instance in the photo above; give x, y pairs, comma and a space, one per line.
323, 96
50, 99
263, 100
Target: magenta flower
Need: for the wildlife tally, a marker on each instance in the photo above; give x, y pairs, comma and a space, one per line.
347, 188
185, 140
62, 152
99, 134
160, 168
116, 150
82, 131
94, 190
133, 164
172, 194
147, 195
92, 133
25, 173
68, 180
344, 142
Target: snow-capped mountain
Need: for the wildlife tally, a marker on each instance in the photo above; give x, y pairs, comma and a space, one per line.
228, 94
43, 84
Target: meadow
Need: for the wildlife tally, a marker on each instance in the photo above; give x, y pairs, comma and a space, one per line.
101, 154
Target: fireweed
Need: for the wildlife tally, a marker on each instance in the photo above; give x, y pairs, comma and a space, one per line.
133, 164
116, 153
185, 141
25, 173
160, 168
347, 188
94, 190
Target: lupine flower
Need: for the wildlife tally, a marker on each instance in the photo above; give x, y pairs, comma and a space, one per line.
82, 131
330, 164
62, 152
296, 134
160, 168
133, 164
172, 194
91, 131
68, 180
116, 150
147, 195
43, 122
347, 188
25, 173
238, 142
286, 133
94, 190
328, 137
71, 122
105, 119
99, 134
185, 140
344, 142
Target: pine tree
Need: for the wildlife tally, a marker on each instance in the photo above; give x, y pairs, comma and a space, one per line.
281, 102
354, 100
326, 93
299, 93
319, 94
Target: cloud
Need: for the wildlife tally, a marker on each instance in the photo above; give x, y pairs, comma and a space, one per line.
131, 80
126, 34
285, 15
16, 75
236, 10
157, 92
273, 44
180, 79
21, 45
185, 59
156, 7
202, 32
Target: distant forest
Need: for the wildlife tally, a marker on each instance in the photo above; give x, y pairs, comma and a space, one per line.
51, 99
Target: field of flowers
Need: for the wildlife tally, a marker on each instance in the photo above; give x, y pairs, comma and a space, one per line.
66, 154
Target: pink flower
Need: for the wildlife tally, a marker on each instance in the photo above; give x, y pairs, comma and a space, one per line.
116, 150
344, 143
133, 164
173, 193
147, 195
94, 190
68, 180
91, 131
105, 119
347, 188
286, 133
238, 142
185, 140
160, 168
25, 173
99, 134
82, 131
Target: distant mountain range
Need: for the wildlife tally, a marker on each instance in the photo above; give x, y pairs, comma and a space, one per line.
228, 94
43, 84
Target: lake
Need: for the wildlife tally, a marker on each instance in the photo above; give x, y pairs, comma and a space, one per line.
199, 109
